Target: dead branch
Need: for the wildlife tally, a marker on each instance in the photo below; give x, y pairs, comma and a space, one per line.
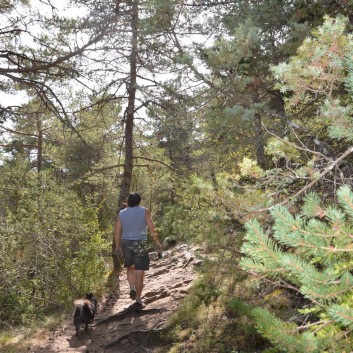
154, 160
55, 63
291, 144
308, 186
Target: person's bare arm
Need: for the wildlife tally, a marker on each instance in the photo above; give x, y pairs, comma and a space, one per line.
153, 230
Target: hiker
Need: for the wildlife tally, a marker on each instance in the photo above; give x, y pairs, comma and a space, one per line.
130, 235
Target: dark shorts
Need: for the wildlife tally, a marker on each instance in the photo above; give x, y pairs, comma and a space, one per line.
135, 253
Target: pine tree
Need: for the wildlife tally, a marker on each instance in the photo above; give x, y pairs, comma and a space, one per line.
312, 252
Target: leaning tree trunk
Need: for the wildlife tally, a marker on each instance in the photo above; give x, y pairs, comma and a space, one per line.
129, 114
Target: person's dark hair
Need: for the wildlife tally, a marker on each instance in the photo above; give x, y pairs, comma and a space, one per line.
134, 199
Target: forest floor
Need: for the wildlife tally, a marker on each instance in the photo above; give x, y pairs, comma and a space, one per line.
118, 326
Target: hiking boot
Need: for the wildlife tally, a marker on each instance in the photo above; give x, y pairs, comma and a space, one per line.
133, 294
138, 306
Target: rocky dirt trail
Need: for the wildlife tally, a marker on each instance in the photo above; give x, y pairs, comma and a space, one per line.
119, 327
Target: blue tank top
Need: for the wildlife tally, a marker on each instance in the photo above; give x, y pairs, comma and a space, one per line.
133, 222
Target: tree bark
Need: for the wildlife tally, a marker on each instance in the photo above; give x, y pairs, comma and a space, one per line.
129, 114
130, 110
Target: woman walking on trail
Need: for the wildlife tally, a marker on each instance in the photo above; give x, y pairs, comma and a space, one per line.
130, 235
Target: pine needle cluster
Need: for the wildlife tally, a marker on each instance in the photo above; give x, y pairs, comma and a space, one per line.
311, 253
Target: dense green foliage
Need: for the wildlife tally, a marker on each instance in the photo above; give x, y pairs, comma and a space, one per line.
310, 251
311, 254
50, 243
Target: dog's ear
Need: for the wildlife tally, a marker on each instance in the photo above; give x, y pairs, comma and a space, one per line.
89, 295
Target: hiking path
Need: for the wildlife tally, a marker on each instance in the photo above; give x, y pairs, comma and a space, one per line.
118, 326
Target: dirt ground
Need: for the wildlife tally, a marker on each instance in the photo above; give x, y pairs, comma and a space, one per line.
118, 326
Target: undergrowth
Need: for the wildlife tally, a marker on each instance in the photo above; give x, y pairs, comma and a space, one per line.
217, 315
21, 338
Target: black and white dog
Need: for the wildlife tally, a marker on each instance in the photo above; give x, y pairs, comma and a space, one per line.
85, 311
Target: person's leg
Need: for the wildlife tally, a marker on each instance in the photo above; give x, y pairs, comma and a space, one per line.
130, 274
141, 261
139, 276
127, 247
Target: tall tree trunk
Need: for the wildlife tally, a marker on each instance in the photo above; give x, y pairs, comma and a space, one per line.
129, 116
130, 110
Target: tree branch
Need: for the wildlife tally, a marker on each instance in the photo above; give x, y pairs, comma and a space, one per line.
56, 62
323, 173
308, 186
154, 160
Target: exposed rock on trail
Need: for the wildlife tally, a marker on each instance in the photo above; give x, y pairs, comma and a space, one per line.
119, 327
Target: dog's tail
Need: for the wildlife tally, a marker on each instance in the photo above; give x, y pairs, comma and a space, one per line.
78, 301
